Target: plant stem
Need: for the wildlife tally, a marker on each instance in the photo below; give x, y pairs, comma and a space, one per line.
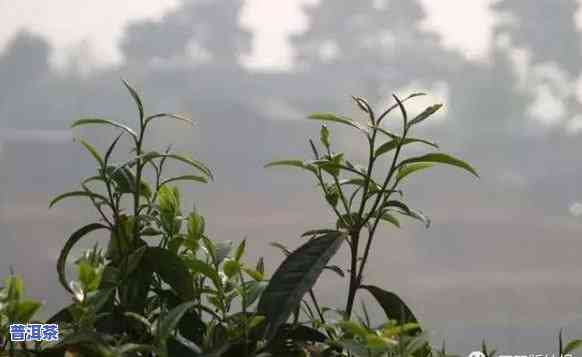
355, 238
355, 273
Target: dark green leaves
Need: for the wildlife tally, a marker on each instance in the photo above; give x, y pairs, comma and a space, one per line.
136, 98
169, 322
168, 115
324, 136
330, 117
193, 163
407, 169
87, 121
171, 269
73, 239
425, 114
185, 178
294, 277
393, 306
76, 194
92, 151
572, 346
393, 144
292, 163
442, 159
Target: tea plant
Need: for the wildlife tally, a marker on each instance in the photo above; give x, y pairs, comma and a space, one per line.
163, 288
360, 196
14, 309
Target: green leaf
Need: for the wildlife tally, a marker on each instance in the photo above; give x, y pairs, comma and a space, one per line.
383, 131
193, 163
393, 144
257, 275
294, 277
134, 259
353, 328
337, 119
362, 104
354, 347
170, 321
398, 104
199, 267
185, 178
124, 127
397, 204
393, 306
25, 310
572, 346
324, 136
172, 269
77, 194
293, 163
231, 267
110, 149
402, 109
416, 215
139, 318
281, 247
92, 151
240, 250
135, 97
375, 342
133, 347
390, 218
336, 270
405, 170
122, 176
425, 114
252, 290
317, 232
169, 115
73, 239
13, 289
442, 159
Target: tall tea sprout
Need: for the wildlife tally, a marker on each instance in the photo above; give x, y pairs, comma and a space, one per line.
360, 196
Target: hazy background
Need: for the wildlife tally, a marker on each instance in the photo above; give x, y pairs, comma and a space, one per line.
502, 258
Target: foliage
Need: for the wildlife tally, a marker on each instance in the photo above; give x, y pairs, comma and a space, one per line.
163, 287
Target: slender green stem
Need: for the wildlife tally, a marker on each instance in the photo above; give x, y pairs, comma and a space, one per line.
355, 273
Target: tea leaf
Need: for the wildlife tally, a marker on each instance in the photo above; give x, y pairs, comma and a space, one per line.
76, 194
316, 232
425, 114
170, 321
392, 305
391, 145
124, 127
294, 277
337, 119
135, 97
385, 216
442, 159
168, 115
92, 151
25, 310
293, 163
184, 178
572, 346
171, 269
73, 239
405, 170
199, 267
196, 164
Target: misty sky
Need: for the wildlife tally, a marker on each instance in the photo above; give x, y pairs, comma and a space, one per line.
501, 259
